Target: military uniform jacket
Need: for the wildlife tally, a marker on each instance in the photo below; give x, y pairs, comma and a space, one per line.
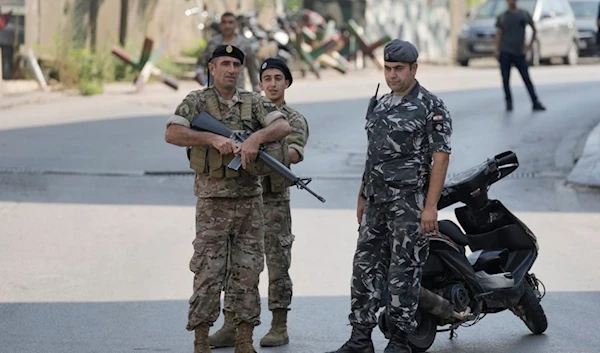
296, 140
263, 113
402, 135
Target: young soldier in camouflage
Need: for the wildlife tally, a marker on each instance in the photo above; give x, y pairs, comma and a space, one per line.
275, 79
407, 130
229, 210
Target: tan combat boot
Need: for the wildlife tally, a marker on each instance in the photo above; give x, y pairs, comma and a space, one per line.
243, 343
225, 337
278, 335
201, 339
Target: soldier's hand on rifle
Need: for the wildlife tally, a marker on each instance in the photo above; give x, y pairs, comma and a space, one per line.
224, 145
249, 150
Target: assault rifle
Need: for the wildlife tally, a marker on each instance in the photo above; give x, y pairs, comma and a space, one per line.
208, 123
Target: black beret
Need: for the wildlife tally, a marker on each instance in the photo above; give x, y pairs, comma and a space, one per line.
228, 50
273, 63
400, 51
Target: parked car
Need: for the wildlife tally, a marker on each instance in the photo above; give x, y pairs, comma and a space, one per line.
586, 14
557, 34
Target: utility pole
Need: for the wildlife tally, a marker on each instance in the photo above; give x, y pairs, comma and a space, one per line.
123, 22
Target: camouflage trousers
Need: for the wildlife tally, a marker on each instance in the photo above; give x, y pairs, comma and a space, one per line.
390, 254
234, 229
278, 253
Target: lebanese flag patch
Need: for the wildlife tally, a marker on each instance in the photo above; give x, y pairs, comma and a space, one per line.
438, 117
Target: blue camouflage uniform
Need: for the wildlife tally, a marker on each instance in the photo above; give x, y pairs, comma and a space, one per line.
403, 133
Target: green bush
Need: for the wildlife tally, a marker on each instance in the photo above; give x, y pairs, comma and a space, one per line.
75, 66
93, 70
195, 50
123, 71
88, 88
166, 64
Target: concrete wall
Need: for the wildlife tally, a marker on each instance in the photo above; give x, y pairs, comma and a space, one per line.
432, 25
162, 20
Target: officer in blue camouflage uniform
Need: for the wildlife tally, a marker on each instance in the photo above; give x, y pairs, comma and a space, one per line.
408, 153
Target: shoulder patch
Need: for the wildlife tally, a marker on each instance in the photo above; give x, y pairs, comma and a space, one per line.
183, 110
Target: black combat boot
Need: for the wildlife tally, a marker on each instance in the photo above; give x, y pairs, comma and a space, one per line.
398, 343
509, 106
359, 342
538, 107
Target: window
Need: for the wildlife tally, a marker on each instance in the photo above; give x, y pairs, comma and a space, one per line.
559, 7
585, 9
493, 8
547, 8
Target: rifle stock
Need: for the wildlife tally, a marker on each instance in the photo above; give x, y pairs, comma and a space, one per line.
206, 122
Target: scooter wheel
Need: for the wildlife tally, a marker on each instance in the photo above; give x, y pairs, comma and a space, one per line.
424, 335
422, 338
531, 311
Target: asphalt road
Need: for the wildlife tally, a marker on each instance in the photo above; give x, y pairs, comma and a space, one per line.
94, 254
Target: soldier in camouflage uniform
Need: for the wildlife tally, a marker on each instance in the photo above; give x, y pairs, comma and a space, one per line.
229, 210
229, 36
275, 78
408, 129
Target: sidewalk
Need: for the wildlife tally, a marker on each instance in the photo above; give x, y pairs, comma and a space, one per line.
14, 93
587, 169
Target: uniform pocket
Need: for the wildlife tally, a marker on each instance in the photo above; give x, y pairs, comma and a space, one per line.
401, 140
400, 175
193, 298
286, 240
198, 260
215, 163
421, 250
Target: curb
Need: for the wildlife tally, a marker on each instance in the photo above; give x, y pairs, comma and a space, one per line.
587, 169
21, 99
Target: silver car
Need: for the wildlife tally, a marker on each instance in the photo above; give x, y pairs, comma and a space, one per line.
557, 34
586, 15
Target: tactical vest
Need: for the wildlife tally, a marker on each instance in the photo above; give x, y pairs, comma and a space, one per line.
207, 160
275, 183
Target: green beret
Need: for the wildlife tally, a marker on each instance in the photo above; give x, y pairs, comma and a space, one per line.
228, 50
400, 51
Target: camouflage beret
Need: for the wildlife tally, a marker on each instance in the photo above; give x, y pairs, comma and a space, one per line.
400, 51
228, 50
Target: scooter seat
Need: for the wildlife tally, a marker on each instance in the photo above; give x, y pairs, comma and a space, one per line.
451, 230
